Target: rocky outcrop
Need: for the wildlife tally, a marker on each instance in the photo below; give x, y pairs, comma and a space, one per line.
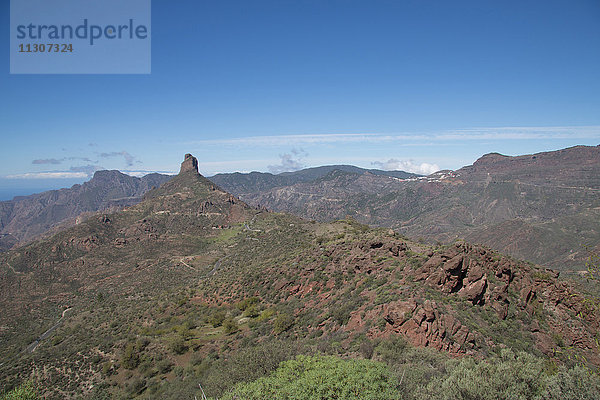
463, 270
189, 164
426, 325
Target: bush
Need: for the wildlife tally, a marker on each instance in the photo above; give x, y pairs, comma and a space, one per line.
366, 348
321, 377
177, 345
282, 323
230, 326
247, 364
391, 350
577, 383
107, 368
164, 366
130, 358
252, 311
266, 314
136, 386
25, 391
509, 376
244, 304
217, 318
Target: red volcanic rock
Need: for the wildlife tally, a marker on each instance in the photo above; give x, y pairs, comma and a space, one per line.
427, 326
397, 313
474, 291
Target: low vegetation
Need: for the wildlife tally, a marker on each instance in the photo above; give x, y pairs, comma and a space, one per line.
191, 288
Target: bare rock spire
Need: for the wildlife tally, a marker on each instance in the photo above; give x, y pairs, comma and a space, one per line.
190, 163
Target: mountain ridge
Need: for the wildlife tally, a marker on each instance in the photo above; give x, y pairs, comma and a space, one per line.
27, 217
545, 191
240, 183
160, 281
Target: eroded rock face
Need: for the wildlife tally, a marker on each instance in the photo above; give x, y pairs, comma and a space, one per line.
190, 163
458, 270
425, 325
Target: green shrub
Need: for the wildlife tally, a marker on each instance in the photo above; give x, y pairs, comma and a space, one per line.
216, 319
509, 376
130, 358
136, 386
282, 323
230, 326
391, 350
164, 366
245, 365
576, 383
252, 311
266, 314
107, 368
25, 391
244, 304
178, 345
321, 377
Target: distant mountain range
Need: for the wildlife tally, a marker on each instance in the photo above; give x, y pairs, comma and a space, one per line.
256, 182
541, 207
27, 217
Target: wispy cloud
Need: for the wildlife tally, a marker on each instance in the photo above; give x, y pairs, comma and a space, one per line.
407, 165
55, 161
523, 133
139, 173
88, 169
286, 140
47, 161
499, 133
129, 159
291, 161
49, 175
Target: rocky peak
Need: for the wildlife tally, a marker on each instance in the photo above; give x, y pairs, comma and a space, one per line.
491, 158
190, 163
108, 175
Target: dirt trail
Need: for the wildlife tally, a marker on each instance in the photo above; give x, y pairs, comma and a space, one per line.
12, 269
190, 267
31, 348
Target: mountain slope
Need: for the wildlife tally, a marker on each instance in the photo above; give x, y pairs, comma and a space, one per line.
26, 217
549, 198
191, 277
254, 182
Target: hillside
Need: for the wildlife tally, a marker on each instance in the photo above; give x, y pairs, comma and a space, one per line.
193, 285
543, 207
27, 217
254, 182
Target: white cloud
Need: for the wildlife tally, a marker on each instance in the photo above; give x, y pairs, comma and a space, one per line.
287, 140
139, 174
49, 175
291, 161
407, 165
128, 158
499, 133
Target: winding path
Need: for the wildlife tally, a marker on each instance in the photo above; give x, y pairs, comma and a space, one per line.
31, 348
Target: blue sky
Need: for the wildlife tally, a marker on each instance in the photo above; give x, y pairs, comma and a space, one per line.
277, 85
